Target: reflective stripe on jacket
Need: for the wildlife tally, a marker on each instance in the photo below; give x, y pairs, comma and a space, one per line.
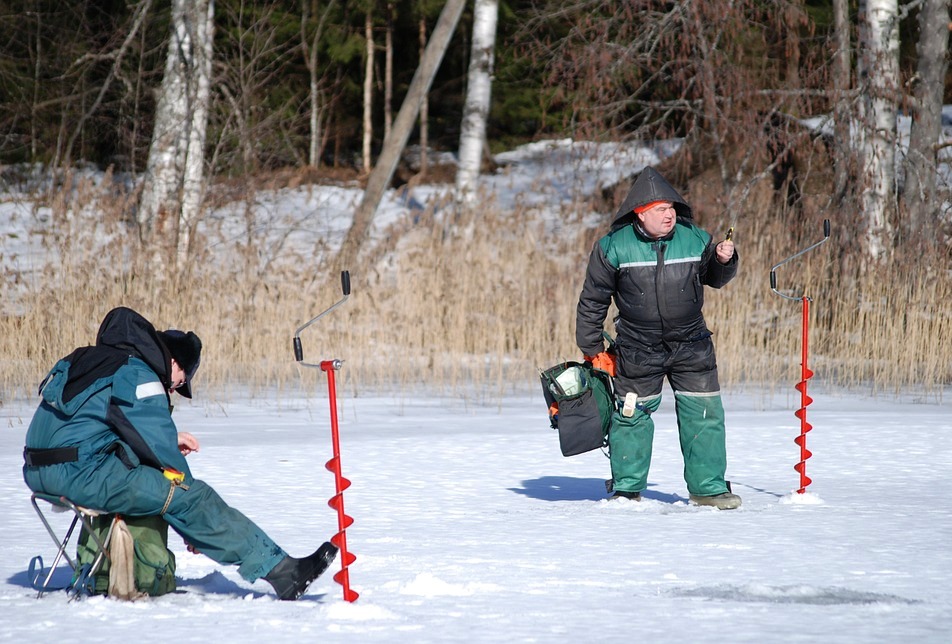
657, 286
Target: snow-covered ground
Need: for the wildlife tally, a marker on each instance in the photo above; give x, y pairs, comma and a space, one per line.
470, 526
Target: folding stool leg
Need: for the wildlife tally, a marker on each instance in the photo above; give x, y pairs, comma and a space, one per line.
102, 546
80, 515
60, 545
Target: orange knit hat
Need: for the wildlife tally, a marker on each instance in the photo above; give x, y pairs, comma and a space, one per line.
640, 209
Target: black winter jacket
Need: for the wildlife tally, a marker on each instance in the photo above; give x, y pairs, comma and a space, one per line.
657, 285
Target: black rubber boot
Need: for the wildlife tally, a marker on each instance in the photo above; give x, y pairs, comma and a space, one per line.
291, 577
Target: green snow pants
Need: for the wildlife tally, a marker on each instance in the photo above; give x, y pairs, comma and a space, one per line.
692, 373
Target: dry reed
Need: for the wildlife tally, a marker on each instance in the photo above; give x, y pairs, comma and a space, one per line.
469, 304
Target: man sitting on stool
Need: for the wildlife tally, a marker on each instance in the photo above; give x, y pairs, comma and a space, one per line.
103, 436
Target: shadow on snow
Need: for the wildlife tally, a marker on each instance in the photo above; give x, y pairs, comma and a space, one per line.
568, 488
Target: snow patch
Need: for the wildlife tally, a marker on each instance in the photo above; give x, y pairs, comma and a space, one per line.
357, 612
427, 585
807, 498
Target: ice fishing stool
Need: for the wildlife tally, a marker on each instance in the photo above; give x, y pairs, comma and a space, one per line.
81, 516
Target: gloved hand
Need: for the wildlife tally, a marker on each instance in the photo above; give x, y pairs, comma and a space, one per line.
605, 361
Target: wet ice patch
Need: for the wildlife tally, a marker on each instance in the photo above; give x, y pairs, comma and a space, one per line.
796, 594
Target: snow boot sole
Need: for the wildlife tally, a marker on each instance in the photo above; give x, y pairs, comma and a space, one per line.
724, 501
291, 577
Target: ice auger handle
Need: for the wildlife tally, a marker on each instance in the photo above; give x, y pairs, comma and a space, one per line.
773, 270
298, 348
345, 275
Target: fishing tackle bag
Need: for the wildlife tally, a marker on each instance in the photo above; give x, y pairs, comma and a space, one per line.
581, 402
153, 563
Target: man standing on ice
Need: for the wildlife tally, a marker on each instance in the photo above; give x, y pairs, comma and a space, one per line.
654, 263
103, 437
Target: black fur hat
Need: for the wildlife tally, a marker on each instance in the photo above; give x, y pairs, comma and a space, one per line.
186, 348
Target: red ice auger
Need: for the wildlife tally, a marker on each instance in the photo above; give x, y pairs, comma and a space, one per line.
805, 373
340, 483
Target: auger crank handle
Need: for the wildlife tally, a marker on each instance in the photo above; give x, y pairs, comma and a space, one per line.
298, 348
345, 275
773, 270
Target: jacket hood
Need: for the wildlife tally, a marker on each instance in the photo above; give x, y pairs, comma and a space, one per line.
122, 334
649, 186
128, 331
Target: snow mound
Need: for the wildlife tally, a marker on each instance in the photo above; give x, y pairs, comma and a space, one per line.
427, 585
807, 498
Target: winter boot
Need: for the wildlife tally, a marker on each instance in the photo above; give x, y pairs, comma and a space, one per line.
723, 501
631, 496
291, 577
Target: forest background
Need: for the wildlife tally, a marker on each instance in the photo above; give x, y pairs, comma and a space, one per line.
782, 114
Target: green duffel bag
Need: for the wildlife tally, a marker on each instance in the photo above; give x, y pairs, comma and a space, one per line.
581, 402
154, 565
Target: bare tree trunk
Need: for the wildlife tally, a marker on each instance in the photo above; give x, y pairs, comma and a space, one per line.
424, 112
880, 58
315, 120
393, 146
193, 192
478, 99
37, 69
793, 17
713, 114
117, 59
843, 114
388, 75
173, 184
316, 107
919, 192
368, 89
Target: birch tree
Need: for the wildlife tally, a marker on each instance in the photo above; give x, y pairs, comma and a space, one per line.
388, 74
919, 191
368, 90
879, 66
394, 145
173, 186
310, 45
478, 95
424, 108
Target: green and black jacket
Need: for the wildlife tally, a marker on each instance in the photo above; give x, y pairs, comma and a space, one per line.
657, 285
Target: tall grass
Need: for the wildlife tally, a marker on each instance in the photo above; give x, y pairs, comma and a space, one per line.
470, 304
